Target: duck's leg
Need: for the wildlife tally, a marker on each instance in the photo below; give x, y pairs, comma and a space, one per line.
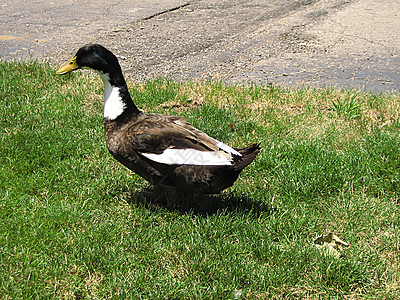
174, 198
166, 196
161, 195
186, 201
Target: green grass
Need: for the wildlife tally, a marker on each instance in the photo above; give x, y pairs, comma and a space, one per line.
73, 224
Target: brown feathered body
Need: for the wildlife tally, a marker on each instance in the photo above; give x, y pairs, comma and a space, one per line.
128, 139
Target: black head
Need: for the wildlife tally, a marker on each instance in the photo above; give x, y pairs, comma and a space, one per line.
95, 57
98, 58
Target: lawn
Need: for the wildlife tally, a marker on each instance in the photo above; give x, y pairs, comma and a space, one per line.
75, 225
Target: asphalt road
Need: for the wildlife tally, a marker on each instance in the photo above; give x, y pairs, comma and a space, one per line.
346, 43
32, 29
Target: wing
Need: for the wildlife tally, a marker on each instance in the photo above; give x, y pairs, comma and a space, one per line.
173, 141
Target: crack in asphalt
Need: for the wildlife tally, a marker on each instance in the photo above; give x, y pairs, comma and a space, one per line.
165, 11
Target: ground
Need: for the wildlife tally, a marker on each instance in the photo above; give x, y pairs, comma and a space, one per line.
344, 43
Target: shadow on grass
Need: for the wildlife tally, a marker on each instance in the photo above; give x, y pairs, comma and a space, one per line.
200, 204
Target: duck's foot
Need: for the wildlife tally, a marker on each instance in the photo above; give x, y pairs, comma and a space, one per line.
151, 197
172, 198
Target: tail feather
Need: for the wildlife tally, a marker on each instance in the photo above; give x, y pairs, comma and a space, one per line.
224, 176
248, 155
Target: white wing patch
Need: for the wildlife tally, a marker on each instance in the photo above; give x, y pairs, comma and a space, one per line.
219, 144
226, 148
190, 156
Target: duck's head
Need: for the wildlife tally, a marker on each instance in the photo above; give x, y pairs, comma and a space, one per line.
92, 56
116, 95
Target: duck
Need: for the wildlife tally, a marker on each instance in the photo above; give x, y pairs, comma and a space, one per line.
165, 150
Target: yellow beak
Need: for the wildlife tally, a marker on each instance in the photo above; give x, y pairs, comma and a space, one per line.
69, 67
